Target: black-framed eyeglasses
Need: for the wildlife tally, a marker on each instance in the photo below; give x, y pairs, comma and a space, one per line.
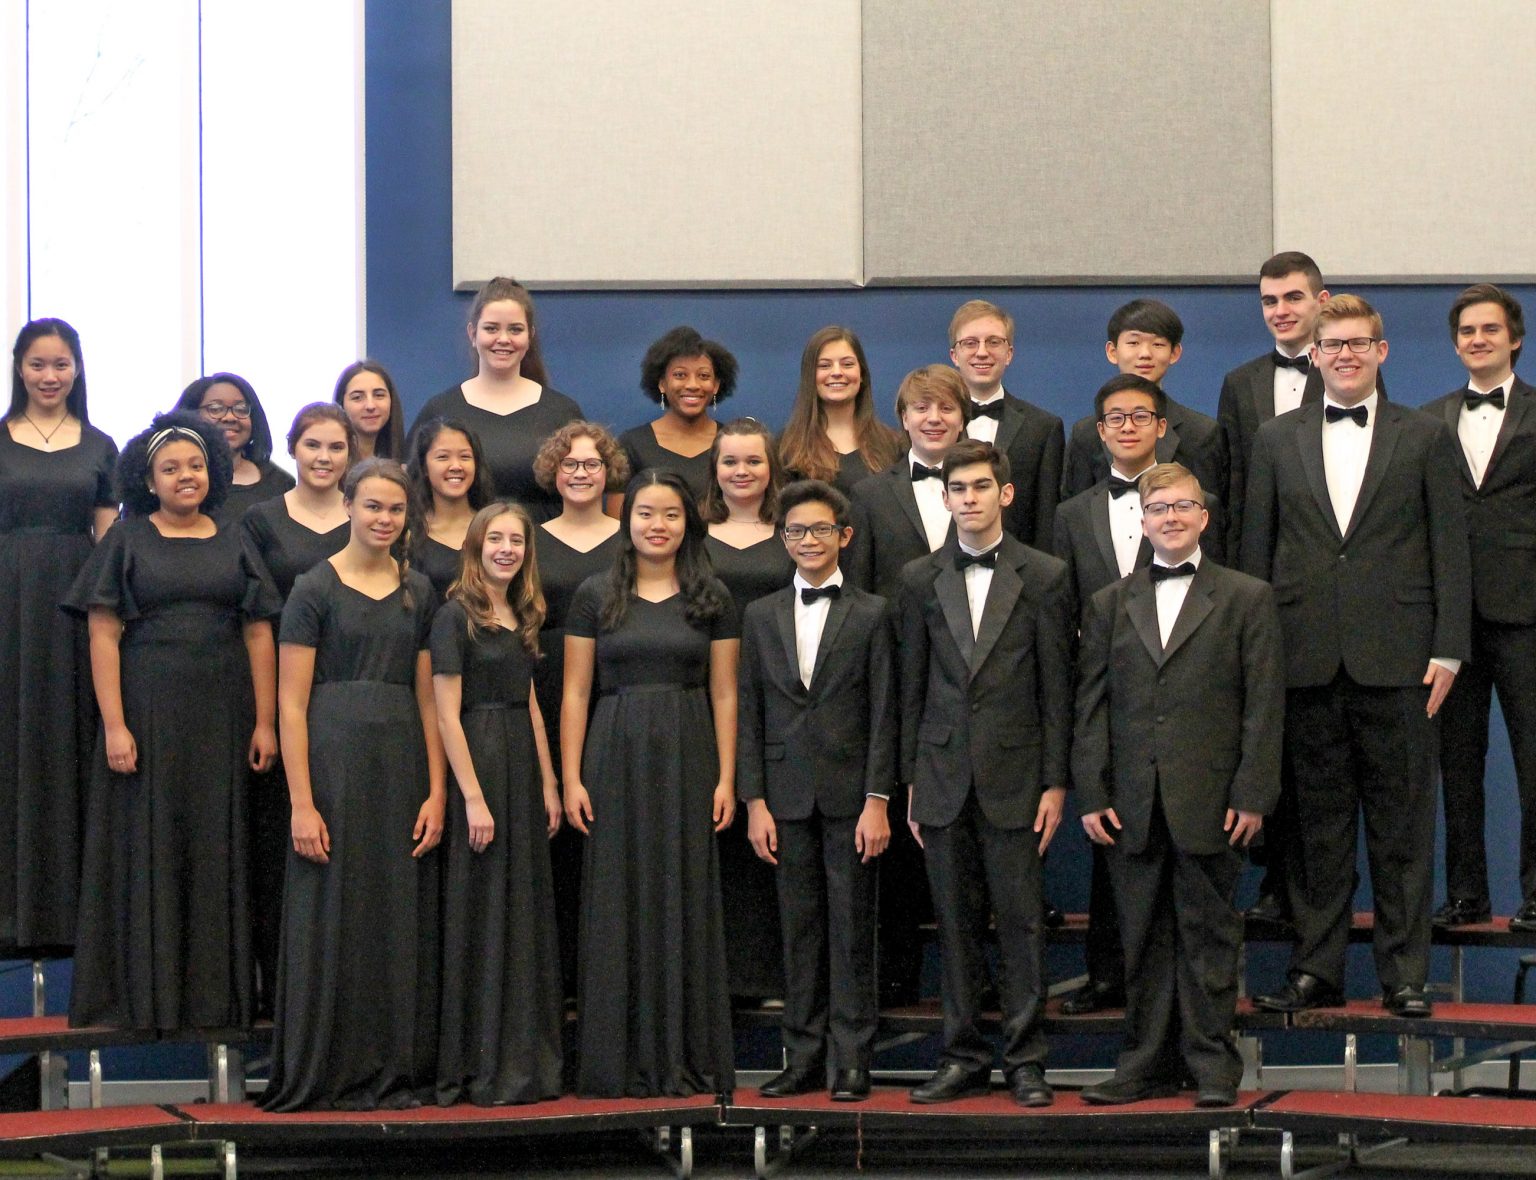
822, 531
1115, 419
1160, 508
1332, 345
590, 466
972, 343
213, 411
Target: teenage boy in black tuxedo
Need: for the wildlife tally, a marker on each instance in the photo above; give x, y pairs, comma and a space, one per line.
899, 515
981, 347
815, 765
1354, 514
1176, 760
986, 695
1494, 420
1145, 338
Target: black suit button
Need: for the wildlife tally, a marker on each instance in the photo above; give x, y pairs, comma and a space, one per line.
1162, 680
1343, 557
1159, 719
975, 706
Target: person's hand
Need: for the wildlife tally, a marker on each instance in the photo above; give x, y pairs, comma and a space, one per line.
724, 809
1053, 802
551, 809
122, 751
762, 832
1439, 680
311, 840
263, 748
872, 836
1244, 826
482, 827
912, 825
429, 826
578, 807
1094, 825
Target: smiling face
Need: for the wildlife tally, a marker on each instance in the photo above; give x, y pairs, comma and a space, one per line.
1174, 534
657, 522
450, 465
743, 470
377, 509
815, 557
219, 405
320, 455
976, 500
178, 475
1144, 354
982, 351
366, 402
1290, 309
1484, 344
581, 487
688, 385
1131, 447
933, 424
1349, 376
503, 550
838, 378
501, 337
48, 373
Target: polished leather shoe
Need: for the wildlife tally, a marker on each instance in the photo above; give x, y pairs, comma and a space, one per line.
1052, 918
1118, 1091
1407, 1000
792, 1081
1525, 917
1301, 991
1215, 1094
1092, 997
951, 1082
1028, 1086
850, 1085
1461, 911
1272, 908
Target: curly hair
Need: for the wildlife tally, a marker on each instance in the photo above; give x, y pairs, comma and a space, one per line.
685, 342
31, 332
258, 448
558, 445
132, 474
713, 508
704, 597
524, 595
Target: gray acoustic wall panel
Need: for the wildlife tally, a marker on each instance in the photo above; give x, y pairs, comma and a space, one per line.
668, 143
1066, 140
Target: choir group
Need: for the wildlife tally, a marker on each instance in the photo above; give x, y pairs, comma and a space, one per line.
406, 750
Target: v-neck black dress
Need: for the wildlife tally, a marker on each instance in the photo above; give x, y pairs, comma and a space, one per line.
243, 497
643, 450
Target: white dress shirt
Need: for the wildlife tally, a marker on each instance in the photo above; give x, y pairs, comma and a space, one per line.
984, 429
1125, 522
1171, 593
810, 619
978, 581
930, 506
1478, 429
1346, 447
1290, 384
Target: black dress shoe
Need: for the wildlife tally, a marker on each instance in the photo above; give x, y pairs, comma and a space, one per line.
953, 1081
1301, 991
1272, 908
1092, 997
1216, 1094
792, 1081
1525, 916
1407, 1000
1052, 918
850, 1085
1461, 911
1118, 1091
1028, 1086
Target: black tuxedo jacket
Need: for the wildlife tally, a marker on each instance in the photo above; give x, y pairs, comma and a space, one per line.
887, 530
1193, 439
1197, 723
829, 745
1394, 588
991, 713
1501, 515
1033, 440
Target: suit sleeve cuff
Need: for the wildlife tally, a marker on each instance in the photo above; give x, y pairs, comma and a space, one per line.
1451, 666
876, 795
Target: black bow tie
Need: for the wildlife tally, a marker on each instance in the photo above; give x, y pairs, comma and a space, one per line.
920, 472
992, 409
965, 560
1161, 573
1302, 363
1359, 414
809, 594
1473, 400
1119, 487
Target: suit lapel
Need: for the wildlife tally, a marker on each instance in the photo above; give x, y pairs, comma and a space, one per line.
902, 475
1383, 443
1141, 605
1309, 441
784, 620
949, 586
1197, 605
1001, 595
1168, 446
1263, 391
1312, 391
1008, 425
1452, 410
837, 613
1514, 413
1098, 511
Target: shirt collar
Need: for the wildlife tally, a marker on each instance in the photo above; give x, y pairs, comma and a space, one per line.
1193, 559
1501, 387
966, 549
834, 579
1369, 403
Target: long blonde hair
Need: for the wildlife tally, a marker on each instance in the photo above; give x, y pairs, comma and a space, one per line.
524, 595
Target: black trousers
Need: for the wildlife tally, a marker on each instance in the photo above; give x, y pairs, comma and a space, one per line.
1503, 658
1102, 947
1182, 936
1356, 750
827, 910
975, 869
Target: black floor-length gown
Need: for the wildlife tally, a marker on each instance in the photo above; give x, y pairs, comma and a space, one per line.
561, 570
164, 936
47, 710
501, 997
754, 950
654, 1007
357, 970
283, 549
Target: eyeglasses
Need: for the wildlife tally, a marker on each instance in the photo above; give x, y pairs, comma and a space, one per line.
972, 343
822, 531
1115, 419
213, 411
1332, 345
1160, 508
590, 466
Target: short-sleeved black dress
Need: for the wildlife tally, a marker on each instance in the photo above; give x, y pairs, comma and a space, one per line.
561, 570
243, 497
357, 971
47, 711
164, 936
439, 562
654, 1007
643, 450
501, 1007
281, 548
510, 441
